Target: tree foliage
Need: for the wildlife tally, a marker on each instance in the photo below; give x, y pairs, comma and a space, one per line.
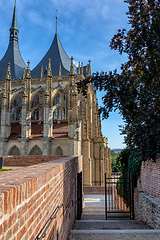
130, 162
135, 91
116, 166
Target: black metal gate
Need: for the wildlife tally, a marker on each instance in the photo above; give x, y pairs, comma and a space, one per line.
79, 195
117, 189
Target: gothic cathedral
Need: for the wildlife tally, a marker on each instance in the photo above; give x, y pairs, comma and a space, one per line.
42, 113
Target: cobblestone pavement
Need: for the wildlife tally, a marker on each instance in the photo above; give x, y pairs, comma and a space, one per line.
94, 227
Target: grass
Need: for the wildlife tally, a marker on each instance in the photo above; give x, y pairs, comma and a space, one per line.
3, 170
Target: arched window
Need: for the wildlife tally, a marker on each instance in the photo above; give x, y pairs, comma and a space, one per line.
16, 106
65, 104
16, 115
14, 151
16, 102
35, 151
35, 115
35, 101
59, 151
57, 112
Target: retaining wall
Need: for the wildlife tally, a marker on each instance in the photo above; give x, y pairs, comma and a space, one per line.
30, 195
147, 194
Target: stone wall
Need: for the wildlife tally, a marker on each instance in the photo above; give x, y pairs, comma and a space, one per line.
30, 195
147, 194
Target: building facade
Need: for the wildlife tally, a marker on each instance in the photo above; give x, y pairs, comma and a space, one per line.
42, 113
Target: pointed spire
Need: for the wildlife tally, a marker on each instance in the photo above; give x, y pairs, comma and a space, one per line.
56, 22
82, 68
49, 71
71, 67
89, 67
28, 74
8, 74
14, 29
24, 73
79, 68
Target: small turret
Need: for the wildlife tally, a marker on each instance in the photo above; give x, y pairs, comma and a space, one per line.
49, 70
72, 67
8, 74
28, 74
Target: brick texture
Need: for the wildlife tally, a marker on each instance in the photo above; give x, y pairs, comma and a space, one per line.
27, 160
30, 195
149, 181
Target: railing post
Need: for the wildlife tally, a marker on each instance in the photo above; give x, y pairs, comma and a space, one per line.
105, 198
132, 181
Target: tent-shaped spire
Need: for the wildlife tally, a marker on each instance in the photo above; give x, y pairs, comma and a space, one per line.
58, 56
13, 54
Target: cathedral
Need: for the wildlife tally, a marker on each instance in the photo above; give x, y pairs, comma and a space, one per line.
42, 113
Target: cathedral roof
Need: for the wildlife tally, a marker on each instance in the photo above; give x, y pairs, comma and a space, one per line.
13, 54
58, 56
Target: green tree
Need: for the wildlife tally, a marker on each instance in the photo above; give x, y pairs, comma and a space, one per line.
115, 165
135, 91
130, 162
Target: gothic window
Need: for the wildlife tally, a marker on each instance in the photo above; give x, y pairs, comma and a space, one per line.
35, 115
35, 151
35, 101
59, 151
65, 104
16, 107
16, 115
56, 113
56, 99
17, 102
14, 151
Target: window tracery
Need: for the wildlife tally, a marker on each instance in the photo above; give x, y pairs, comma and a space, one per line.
14, 151
59, 151
35, 151
16, 106
35, 115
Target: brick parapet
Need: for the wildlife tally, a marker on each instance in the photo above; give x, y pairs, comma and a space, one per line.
28, 197
27, 160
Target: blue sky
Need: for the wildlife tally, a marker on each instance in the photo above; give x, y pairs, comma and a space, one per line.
85, 29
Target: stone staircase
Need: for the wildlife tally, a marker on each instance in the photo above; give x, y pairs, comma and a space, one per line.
93, 226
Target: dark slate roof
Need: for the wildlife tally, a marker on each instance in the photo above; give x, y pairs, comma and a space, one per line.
12, 54
14, 57
57, 55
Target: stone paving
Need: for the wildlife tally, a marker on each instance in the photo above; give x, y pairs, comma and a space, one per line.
92, 225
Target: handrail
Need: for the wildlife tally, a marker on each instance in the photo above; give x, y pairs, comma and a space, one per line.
43, 231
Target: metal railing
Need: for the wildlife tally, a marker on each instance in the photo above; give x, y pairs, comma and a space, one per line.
42, 233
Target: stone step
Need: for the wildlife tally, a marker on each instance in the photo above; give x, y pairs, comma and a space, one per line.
109, 225
115, 234
101, 216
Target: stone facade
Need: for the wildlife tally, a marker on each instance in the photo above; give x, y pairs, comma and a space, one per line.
46, 115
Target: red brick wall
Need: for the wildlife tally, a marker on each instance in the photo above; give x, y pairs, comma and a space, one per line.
27, 160
28, 197
149, 181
